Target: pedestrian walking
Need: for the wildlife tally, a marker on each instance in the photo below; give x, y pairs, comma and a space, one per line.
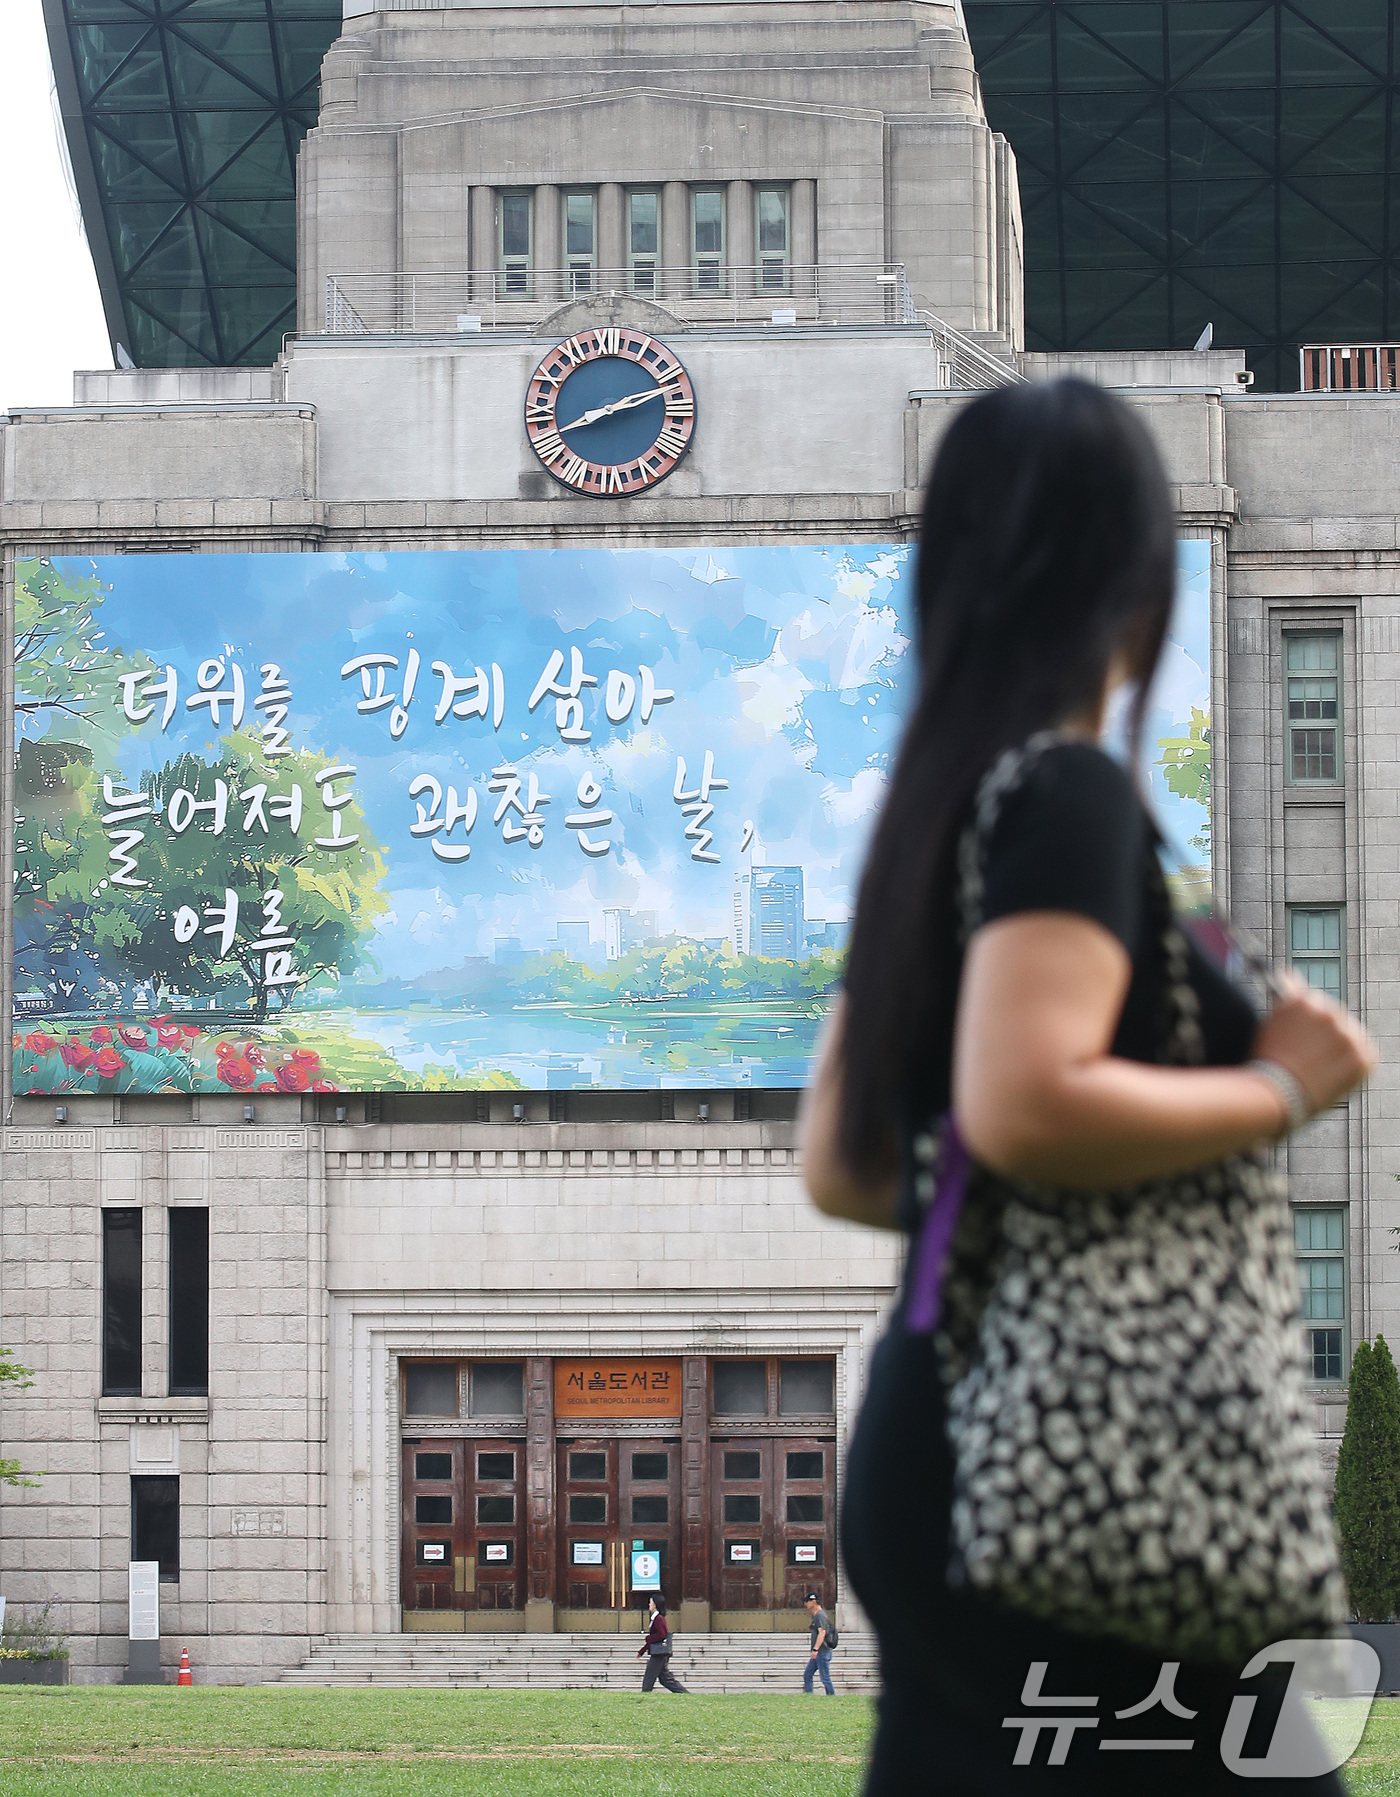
1086, 1432
657, 1648
819, 1660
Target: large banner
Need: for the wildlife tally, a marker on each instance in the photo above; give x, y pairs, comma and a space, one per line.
485, 818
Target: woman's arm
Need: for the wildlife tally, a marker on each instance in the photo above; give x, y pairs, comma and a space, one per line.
1037, 1095
835, 1189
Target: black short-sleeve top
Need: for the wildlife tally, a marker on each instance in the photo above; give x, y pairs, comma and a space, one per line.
1075, 836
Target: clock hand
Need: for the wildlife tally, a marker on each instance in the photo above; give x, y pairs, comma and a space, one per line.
618, 405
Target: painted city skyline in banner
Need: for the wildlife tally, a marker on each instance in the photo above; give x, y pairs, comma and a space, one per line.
453, 819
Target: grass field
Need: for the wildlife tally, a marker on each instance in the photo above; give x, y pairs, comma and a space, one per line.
110, 1742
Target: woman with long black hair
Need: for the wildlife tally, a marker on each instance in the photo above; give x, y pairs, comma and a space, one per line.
1084, 1470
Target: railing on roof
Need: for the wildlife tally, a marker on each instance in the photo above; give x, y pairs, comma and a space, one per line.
963, 363
1349, 367
394, 305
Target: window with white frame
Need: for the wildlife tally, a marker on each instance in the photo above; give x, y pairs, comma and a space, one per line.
580, 240
773, 235
643, 240
1315, 947
1313, 664
1320, 1238
707, 239
515, 215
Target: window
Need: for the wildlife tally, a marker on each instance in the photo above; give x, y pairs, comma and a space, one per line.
588, 1466
804, 1466
433, 1511
1320, 1237
430, 1388
496, 1510
588, 1509
1315, 948
498, 1388
651, 1466
515, 214
804, 1509
741, 1388
772, 233
643, 240
707, 239
495, 1466
740, 1508
743, 1466
651, 1509
155, 1524
580, 238
121, 1303
432, 1466
806, 1387
1314, 714
189, 1302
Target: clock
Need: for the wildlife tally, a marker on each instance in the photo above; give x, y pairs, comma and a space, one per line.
610, 412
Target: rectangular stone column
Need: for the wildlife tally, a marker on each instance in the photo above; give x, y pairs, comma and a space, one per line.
549, 240
740, 252
695, 1496
675, 235
804, 226
539, 1495
611, 254
482, 201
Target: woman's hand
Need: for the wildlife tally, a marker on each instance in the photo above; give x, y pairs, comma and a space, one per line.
1325, 1049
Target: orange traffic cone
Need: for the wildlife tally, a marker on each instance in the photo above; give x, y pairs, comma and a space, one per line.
186, 1677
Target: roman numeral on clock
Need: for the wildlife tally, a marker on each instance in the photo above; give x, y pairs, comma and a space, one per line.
671, 441
575, 471
574, 352
607, 340
541, 411
677, 406
550, 446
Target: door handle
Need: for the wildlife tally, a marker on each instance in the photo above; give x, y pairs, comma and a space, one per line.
459, 1574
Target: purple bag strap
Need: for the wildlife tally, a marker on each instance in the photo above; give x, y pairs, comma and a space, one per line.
936, 1233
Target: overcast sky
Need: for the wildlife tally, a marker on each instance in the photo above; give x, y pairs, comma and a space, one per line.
50, 314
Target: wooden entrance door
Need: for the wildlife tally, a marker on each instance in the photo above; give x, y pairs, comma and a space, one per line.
434, 1524
611, 1492
773, 1522
463, 1533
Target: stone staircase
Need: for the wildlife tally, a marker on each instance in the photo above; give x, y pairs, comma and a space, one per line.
715, 1664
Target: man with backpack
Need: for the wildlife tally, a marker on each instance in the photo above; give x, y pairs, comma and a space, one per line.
824, 1638
657, 1648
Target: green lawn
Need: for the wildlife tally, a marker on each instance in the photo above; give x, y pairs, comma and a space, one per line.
207, 1742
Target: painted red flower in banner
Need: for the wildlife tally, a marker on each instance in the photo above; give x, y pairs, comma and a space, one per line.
108, 1062
306, 1057
291, 1078
134, 1036
190, 1029
323, 1085
265, 1086
16, 1040
78, 1056
253, 1053
38, 1043
168, 1035
236, 1072
221, 1049
100, 1035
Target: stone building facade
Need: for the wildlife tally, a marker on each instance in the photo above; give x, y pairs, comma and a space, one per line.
398, 1301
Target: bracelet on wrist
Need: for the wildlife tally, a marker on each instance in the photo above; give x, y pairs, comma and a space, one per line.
1298, 1107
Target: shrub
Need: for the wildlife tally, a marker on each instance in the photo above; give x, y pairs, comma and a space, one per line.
32, 1636
1367, 1506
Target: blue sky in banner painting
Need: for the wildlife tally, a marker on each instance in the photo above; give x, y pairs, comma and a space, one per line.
788, 665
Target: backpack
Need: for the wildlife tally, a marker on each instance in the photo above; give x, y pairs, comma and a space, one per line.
833, 1639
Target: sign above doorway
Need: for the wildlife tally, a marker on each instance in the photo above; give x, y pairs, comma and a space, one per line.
617, 1389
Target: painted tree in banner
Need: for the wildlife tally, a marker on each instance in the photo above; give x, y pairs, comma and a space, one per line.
66, 672
1186, 768
330, 898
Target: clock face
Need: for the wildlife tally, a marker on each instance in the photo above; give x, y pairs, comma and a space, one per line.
610, 412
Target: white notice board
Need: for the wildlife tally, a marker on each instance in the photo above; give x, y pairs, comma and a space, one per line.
143, 1600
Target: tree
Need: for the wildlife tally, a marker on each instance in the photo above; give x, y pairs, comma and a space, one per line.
1186, 768
12, 1373
66, 675
1367, 1501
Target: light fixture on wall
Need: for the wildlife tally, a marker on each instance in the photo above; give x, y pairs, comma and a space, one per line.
60, 1113
249, 1113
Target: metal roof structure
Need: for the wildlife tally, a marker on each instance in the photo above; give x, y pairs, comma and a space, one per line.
1182, 162
183, 119
1186, 162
